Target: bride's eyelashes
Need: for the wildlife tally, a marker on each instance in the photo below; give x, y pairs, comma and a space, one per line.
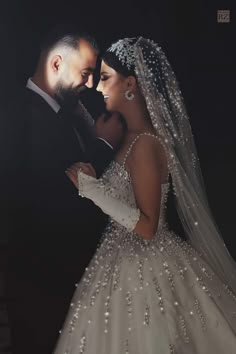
103, 78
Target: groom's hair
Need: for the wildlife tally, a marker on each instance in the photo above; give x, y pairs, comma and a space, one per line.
68, 37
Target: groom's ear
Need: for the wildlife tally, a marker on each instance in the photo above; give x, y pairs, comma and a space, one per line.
55, 63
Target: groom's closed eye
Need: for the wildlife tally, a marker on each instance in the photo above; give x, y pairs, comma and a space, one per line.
88, 71
86, 74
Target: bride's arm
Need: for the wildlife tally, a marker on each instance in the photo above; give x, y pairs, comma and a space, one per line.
105, 197
145, 173
144, 164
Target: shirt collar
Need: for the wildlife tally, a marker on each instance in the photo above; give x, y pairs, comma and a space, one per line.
52, 103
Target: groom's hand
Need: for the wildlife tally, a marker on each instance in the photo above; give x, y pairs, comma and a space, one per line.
72, 172
110, 129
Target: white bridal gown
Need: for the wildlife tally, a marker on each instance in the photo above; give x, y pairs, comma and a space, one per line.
145, 297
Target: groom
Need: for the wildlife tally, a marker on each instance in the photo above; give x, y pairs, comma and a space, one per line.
51, 235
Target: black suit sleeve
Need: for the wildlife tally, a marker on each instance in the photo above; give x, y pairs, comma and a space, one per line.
99, 155
12, 167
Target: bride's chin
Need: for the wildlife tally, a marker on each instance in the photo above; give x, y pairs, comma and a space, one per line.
108, 107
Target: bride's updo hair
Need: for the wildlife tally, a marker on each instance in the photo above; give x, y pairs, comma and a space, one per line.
112, 60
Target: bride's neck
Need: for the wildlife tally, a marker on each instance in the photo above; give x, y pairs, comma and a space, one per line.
138, 119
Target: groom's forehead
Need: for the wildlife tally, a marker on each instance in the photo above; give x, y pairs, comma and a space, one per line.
86, 55
86, 50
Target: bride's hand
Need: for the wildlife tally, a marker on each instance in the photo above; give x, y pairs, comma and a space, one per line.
72, 172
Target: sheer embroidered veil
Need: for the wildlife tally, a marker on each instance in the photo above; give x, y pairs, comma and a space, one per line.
165, 104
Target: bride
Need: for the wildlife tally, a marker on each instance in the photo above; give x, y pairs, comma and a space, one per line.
146, 290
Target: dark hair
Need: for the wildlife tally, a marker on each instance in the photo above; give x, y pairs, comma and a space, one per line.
67, 36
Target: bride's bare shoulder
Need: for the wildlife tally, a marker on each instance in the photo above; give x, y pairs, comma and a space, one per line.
149, 150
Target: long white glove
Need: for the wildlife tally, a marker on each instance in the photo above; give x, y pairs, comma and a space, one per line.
101, 195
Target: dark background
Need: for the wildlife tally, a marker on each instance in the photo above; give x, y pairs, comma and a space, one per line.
201, 51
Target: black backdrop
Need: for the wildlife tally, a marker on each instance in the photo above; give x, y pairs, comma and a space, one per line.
201, 50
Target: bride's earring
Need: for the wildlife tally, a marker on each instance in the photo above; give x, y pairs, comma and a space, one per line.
129, 95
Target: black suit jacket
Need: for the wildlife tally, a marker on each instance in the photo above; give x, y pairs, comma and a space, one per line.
52, 232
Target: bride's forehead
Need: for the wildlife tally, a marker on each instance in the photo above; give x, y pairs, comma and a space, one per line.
105, 67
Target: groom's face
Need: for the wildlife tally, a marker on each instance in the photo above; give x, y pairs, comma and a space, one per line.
76, 72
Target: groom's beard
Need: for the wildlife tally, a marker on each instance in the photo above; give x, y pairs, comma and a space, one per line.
68, 97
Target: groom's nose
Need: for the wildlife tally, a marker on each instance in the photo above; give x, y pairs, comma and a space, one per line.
89, 83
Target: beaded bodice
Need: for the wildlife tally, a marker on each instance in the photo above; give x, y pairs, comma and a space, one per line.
117, 179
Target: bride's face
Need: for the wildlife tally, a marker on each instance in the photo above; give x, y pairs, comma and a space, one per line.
112, 85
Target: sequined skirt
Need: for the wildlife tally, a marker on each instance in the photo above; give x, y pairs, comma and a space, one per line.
148, 297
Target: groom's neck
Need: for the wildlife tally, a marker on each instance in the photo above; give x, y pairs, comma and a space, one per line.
39, 79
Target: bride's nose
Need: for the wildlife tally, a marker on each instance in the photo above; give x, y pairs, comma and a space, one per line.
99, 87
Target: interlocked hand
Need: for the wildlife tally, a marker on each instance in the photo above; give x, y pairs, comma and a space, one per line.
72, 172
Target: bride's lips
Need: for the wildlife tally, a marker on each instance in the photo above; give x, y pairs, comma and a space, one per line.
106, 97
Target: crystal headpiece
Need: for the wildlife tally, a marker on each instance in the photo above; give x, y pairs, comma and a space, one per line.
124, 50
